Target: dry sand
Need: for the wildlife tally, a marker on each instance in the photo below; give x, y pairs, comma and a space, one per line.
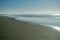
11, 29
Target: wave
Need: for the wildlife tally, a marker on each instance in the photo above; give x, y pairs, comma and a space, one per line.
54, 27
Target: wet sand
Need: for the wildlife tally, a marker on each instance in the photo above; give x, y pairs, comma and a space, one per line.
11, 29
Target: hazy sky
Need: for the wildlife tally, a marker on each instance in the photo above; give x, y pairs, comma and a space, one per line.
29, 6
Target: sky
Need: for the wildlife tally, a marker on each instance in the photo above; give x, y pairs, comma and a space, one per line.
29, 7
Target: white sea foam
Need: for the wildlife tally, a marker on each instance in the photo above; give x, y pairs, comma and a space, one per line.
55, 27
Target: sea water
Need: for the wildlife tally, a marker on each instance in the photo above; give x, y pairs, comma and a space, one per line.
53, 22
50, 22
45, 21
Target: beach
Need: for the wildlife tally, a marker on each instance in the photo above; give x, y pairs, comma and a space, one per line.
11, 29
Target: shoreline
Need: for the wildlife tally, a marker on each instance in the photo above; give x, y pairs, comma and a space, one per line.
19, 30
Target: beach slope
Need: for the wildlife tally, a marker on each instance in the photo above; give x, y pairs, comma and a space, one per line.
11, 29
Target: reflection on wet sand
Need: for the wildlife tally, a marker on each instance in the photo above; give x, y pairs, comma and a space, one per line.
57, 28
54, 27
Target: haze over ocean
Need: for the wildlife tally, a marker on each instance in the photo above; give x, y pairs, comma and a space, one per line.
30, 7
33, 7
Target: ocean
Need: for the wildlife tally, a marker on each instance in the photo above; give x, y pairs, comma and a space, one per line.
47, 21
50, 22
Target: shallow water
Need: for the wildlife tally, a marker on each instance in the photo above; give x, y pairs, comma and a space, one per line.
45, 21
51, 22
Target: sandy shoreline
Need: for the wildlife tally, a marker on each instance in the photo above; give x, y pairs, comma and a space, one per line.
11, 29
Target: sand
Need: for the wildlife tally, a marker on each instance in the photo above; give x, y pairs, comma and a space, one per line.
11, 29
